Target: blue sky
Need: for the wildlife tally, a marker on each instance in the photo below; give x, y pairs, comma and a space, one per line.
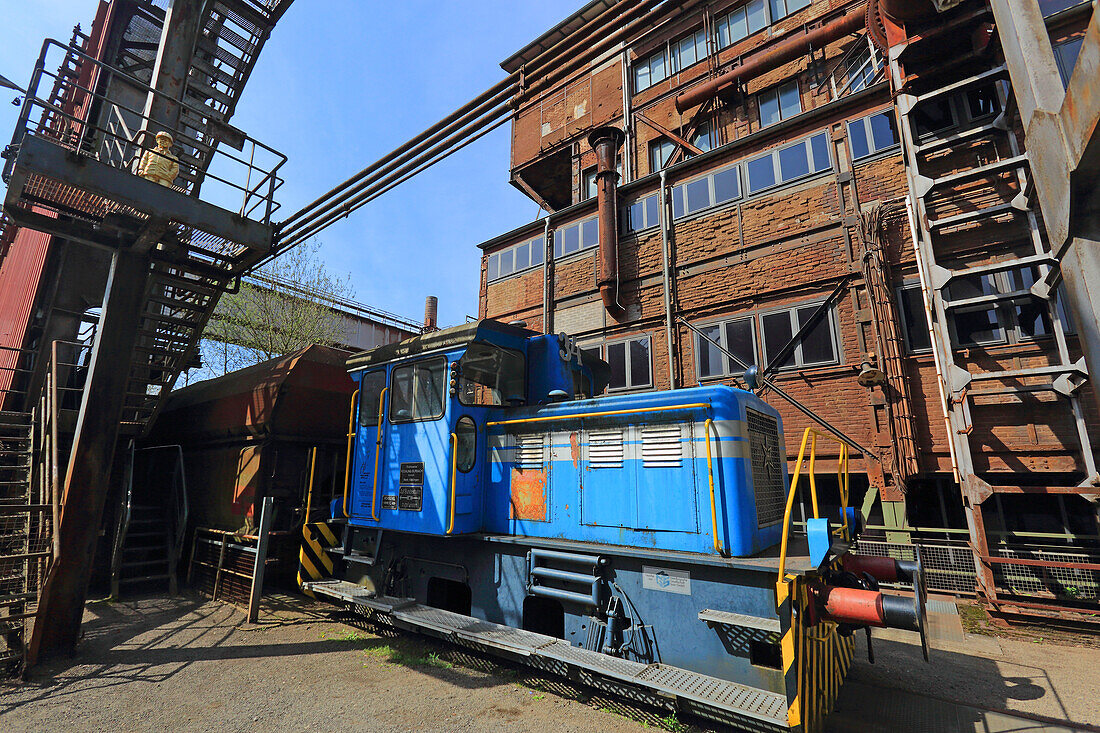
341, 83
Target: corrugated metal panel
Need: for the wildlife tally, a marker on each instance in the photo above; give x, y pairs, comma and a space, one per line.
20, 276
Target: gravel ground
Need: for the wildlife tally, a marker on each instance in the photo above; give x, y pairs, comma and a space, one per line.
189, 664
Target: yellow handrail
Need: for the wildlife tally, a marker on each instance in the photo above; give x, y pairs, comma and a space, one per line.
351, 438
377, 450
545, 418
842, 481
454, 464
710, 475
309, 491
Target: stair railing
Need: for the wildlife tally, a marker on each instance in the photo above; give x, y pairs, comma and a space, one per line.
178, 509
123, 523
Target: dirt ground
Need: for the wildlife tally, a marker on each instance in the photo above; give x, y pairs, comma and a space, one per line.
188, 664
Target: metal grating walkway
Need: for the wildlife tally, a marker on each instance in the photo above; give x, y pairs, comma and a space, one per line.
757, 709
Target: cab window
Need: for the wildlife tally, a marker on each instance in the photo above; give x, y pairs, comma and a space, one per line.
416, 391
490, 375
370, 392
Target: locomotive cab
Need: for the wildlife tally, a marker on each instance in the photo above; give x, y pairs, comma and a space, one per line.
420, 414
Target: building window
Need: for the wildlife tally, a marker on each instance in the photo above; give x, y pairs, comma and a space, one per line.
914, 319
782, 8
589, 187
860, 72
1065, 54
689, 50
660, 151
703, 137
517, 258
642, 213
818, 347
789, 163
872, 134
650, 70
631, 362
741, 23
737, 336
710, 190
576, 236
940, 114
779, 103
976, 324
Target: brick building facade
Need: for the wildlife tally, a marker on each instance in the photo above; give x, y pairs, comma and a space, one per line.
792, 194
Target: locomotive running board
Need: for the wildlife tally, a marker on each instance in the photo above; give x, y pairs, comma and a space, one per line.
661, 685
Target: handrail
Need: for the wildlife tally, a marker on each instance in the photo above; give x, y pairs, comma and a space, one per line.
123, 524
351, 436
811, 434
377, 451
454, 473
546, 418
710, 475
309, 488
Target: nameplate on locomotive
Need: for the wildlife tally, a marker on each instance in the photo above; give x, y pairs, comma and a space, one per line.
412, 474
410, 498
389, 501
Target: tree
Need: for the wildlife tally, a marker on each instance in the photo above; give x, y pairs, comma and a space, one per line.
284, 306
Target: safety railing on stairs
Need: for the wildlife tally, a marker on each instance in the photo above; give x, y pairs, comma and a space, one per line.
119, 135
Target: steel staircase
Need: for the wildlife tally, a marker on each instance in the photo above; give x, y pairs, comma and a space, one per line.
980, 247
24, 536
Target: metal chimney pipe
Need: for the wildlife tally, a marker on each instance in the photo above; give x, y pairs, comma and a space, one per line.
431, 313
606, 141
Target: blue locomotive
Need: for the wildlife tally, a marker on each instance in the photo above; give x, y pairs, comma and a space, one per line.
633, 542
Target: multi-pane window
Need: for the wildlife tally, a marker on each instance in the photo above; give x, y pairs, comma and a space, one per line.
859, 72
779, 103
709, 190
817, 347
631, 362
741, 23
914, 319
650, 70
516, 258
789, 163
942, 113
660, 151
873, 134
642, 213
781, 8
589, 187
576, 236
737, 336
689, 50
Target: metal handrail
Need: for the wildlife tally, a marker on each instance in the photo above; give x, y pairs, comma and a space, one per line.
843, 479
123, 524
81, 128
710, 475
454, 474
377, 451
351, 437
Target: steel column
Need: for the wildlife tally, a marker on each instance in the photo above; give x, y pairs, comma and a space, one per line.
87, 480
182, 23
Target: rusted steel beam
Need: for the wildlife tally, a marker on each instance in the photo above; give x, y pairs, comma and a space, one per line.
91, 458
669, 134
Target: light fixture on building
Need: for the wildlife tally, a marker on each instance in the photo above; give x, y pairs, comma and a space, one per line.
869, 374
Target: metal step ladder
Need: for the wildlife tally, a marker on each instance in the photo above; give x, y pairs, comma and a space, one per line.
965, 178
25, 536
145, 553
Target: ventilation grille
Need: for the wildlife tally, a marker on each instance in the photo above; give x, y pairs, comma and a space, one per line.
662, 446
767, 470
605, 449
529, 452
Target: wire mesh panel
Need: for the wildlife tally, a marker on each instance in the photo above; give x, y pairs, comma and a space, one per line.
1064, 583
947, 568
767, 472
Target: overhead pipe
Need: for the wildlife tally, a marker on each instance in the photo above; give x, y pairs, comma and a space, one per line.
606, 141
772, 58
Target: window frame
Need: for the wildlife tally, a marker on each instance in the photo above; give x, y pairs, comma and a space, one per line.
723, 341
865, 124
776, 92
831, 318
777, 172
647, 62
442, 393
743, 11
601, 346
377, 395
559, 237
627, 225
511, 253
906, 326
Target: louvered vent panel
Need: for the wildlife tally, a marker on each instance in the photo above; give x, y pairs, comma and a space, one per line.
662, 446
605, 449
530, 452
767, 470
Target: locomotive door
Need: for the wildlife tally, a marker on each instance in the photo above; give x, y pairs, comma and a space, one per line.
370, 456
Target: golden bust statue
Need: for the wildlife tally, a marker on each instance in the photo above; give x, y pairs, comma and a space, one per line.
160, 165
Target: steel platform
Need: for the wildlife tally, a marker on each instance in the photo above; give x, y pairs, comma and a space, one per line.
661, 685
